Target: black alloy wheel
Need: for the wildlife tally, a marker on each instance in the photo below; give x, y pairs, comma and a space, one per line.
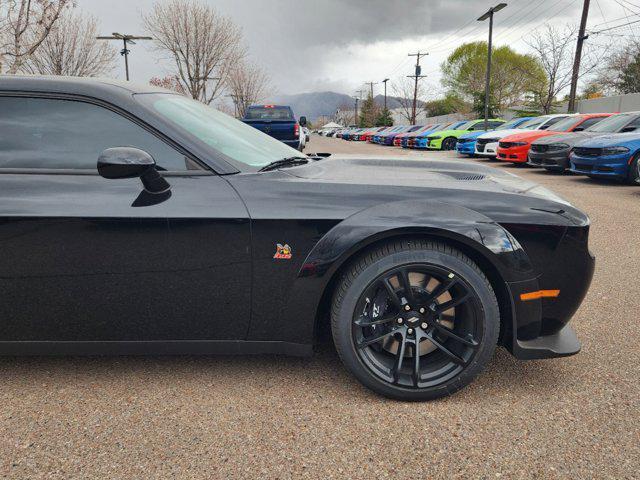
449, 143
419, 321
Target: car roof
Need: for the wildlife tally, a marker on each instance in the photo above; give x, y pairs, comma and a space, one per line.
74, 85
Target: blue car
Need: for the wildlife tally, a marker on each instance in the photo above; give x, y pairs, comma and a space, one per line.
610, 156
467, 142
421, 140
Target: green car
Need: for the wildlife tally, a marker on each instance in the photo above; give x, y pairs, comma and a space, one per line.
447, 139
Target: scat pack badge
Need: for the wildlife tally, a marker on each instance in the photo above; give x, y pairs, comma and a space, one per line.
283, 252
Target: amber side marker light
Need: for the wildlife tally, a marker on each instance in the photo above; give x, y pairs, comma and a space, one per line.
539, 294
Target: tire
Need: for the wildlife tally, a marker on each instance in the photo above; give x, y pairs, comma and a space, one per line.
633, 177
451, 353
449, 143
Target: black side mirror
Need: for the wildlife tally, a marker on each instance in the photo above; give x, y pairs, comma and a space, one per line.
129, 162
303, 121
578, 129
628, 129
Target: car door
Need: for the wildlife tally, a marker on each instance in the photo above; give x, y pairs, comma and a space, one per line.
84, 258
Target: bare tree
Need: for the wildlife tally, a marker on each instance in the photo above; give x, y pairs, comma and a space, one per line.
345, 115
24, 25
170, 82
610, 77
71, 48
554, 49
247, 84
403, 90
204, 44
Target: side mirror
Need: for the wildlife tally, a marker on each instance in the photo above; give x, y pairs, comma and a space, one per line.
578, 129
129, 162
303, 121
628, 129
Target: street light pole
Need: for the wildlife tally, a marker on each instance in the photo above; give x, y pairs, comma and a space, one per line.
487, 93
385, 93
125, 51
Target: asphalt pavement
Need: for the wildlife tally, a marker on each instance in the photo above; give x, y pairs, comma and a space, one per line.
279, 417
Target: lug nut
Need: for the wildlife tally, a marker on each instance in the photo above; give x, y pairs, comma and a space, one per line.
424, 325
399, 320
410, 331
422, 310
407, 307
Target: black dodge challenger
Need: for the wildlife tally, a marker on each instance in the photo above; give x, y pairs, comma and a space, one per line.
134, 220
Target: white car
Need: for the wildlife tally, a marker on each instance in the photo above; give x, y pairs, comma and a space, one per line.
487, 143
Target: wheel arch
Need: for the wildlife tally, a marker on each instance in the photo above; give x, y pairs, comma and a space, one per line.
480, 257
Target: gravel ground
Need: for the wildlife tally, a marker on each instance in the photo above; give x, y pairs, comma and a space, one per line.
277, 417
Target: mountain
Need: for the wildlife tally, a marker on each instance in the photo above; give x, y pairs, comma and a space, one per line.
315, 104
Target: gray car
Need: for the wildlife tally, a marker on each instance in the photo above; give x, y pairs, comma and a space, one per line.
552, 152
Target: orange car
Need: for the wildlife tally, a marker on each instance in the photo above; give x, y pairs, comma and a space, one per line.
515, 148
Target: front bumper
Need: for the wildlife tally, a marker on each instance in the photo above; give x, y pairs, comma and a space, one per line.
539, 327
611, 166
434, 143
420, 142
513, 154
487, 150
466, 148
558, 159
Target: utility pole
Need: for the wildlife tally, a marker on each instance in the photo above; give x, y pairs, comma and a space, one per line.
385, 92
359, 92
416, 77
126, 39
487, 93
576, 61
371, 84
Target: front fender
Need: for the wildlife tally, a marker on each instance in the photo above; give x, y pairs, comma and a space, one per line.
411, 217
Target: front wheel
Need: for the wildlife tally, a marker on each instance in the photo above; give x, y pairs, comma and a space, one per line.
449, 143
415, 320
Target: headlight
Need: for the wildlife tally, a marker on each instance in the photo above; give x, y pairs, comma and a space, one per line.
554, 147
614, 150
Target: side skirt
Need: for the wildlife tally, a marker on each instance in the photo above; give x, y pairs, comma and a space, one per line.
172, 347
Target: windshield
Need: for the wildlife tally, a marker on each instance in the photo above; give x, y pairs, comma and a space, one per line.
241, 144
533, 123
268, 112
565, 124
511, 124
611, 124
466, 125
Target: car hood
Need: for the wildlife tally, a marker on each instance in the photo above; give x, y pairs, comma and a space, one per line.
527, 136
416, 173
612, 140
473, 135
499, 134
570, 138
448, 133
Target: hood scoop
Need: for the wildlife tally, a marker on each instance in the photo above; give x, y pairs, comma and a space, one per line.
465, 176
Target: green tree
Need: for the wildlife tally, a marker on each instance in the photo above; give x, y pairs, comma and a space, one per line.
384, 118
478, 105
512, 74
368, 113
630, 76
451, 103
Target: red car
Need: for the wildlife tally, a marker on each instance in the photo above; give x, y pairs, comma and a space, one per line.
397, 141
515, 148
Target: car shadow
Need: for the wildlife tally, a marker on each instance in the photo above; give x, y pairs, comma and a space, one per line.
321, 374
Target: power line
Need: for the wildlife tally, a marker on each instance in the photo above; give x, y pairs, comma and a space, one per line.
614, 27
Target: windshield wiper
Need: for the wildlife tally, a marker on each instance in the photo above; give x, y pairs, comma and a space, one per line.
285, 162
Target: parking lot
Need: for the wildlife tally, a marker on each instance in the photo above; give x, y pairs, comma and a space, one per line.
280, 417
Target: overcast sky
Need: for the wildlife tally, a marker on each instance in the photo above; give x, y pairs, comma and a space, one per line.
318, 45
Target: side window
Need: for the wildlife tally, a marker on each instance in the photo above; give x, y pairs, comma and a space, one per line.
495, 124
591, 121
633, 124
51, 133
552, 121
